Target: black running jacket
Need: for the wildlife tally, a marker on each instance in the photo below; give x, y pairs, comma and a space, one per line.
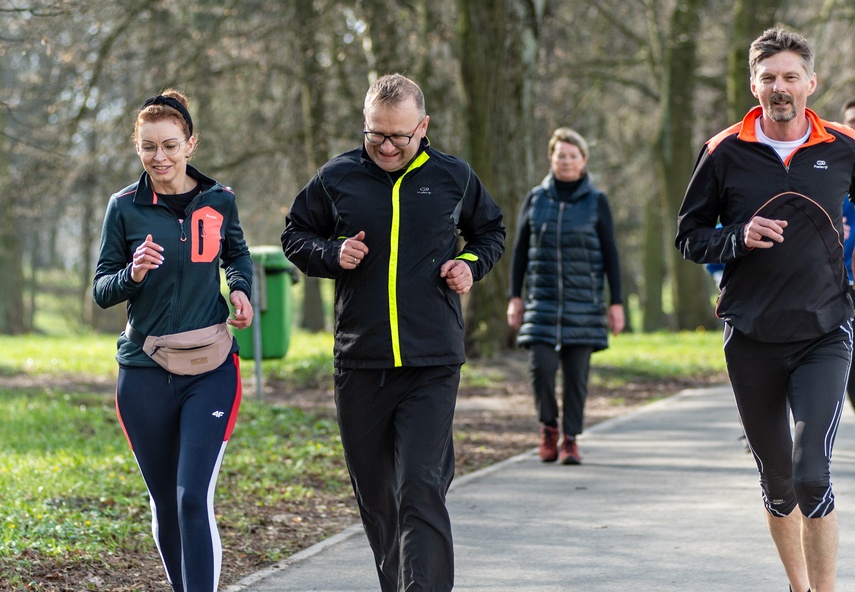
798, 289
395, 309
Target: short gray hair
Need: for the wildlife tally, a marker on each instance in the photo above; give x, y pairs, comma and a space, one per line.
777, 40
394, 89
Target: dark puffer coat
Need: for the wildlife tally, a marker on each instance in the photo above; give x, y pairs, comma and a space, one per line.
564, 275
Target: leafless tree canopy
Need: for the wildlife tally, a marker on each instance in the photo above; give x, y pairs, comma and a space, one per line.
277, 88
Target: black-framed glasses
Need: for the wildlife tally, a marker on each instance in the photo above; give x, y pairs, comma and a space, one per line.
169, 147
398, 140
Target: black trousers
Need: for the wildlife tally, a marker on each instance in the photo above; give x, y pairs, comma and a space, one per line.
178, 428
773, 380
396, 432
575, 367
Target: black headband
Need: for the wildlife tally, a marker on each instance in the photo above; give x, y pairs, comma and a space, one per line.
175, 104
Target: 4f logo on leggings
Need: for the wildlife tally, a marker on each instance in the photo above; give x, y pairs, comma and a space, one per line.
218, 414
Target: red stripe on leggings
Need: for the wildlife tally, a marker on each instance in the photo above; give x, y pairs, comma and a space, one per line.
236, 406
122, 423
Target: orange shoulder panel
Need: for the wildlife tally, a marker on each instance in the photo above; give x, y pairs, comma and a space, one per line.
713, 142
839, 127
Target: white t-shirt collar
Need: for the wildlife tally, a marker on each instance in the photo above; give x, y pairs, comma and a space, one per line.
784, 149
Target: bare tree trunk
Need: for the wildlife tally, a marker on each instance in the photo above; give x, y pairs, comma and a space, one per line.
750, 18
499, 52
677, 156
654, 267
312, 92
384, 40
12, 316
88, 232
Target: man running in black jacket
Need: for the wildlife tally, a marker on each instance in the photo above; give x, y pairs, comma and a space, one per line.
383, 220
776, 182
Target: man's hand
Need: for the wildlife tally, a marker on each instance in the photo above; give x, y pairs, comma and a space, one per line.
458, 275
353, 251
758, 228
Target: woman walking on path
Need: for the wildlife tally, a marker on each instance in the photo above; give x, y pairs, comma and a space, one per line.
565, 247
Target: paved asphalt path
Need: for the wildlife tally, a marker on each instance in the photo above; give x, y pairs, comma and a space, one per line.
666, 500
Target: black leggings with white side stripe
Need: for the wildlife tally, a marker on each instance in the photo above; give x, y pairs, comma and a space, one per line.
807, 379
178, 428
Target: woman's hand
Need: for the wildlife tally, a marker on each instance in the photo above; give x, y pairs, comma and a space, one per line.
146, 257
243, 310
615, 318
515, 313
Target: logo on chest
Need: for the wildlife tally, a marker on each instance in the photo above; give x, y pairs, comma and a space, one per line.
821, 164
423, 191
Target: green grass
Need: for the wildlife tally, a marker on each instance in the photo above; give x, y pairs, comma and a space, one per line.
71, 490
308, 362
630, 357
660, 356
636, 357
70, 486
39, 355
66, 479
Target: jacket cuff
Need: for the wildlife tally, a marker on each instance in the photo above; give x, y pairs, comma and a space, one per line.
241, 286
740, 241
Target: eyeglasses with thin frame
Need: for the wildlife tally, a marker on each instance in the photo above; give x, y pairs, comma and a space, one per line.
398, 140
169, 147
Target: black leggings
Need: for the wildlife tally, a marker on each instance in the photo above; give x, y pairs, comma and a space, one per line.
770, 380
850, 385
178, 427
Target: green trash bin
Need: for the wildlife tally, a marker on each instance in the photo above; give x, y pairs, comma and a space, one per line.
275, 275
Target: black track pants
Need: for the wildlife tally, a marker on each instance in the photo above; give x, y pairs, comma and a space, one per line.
808, 379
178, 427
396, 432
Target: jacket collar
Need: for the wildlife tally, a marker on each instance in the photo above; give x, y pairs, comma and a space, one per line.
145, 196
818, 133
584, 188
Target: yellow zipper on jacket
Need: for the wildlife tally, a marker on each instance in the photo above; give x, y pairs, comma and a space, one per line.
393, 256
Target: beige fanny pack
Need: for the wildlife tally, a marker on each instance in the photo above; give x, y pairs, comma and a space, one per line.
188, 352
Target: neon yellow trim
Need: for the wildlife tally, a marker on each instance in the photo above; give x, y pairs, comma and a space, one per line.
467, 256
393, 257
393, 271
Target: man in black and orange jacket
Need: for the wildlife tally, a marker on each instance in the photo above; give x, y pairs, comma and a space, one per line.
776, 183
